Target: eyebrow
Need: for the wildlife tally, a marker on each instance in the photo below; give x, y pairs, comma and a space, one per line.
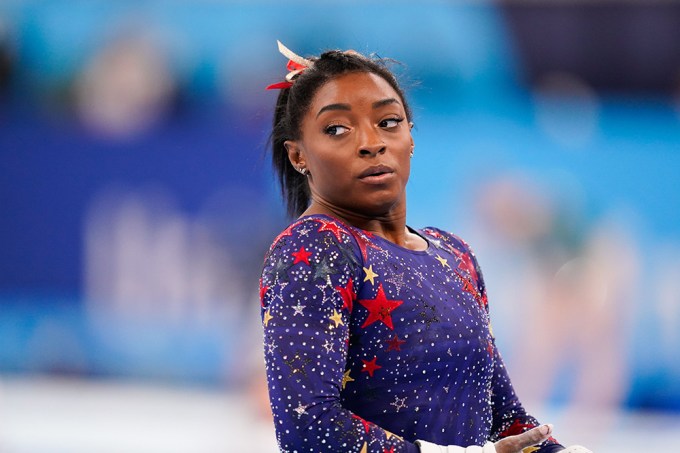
348, 108
334, 107
384, 102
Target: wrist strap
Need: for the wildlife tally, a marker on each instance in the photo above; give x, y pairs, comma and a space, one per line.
428, 447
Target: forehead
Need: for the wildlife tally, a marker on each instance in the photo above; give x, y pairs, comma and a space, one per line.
354, 89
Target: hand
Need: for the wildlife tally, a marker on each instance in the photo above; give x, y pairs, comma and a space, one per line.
515, 444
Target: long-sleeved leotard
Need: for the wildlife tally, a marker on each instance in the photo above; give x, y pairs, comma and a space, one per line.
370, 346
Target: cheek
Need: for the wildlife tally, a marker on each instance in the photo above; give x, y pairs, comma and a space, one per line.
403, 150
330, 167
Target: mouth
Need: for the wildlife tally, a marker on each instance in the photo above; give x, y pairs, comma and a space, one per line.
376, 173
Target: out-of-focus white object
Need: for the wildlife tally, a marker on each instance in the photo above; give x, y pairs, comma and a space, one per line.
567, 110
125, 88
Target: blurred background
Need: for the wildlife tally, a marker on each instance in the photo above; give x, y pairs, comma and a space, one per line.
137, 202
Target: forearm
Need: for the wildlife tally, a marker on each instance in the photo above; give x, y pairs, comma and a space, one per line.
509, 416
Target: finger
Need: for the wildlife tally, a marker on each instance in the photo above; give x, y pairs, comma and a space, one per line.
515, 444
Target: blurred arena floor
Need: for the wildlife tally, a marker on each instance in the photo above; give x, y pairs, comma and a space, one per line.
68, 415
71, 416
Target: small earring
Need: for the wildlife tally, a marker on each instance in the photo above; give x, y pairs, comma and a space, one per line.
302, 170
411, 155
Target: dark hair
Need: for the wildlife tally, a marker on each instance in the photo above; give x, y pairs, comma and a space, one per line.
292, 105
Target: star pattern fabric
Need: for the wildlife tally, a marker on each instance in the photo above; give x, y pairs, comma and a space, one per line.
370, 346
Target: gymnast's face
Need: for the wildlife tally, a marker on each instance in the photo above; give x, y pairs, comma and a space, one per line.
356, 145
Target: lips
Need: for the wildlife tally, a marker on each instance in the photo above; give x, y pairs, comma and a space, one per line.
375, 171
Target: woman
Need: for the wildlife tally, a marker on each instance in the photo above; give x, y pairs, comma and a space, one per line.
377, 336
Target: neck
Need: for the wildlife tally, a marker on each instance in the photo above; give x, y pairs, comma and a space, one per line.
390, 225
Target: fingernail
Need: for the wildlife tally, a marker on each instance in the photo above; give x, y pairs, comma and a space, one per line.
546, 429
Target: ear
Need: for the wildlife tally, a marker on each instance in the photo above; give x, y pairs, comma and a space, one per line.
295, 155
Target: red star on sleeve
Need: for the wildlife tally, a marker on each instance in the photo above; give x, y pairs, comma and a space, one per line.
370, 366
347, 294
302, 256
469, 287
367, 425
263, 291
489, 348
332, 227
465, 262
434, 233
364, 243
517, 427
395, 343
380, 309
287, 232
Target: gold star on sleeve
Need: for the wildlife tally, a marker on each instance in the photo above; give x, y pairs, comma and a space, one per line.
267, 317
370, 275
364, 449
444, 261
346, 378
336, 318
530, 449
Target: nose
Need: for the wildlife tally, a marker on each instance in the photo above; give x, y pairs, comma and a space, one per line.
370, 143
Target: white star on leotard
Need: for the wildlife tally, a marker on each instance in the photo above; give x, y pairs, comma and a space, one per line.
399, 403
328, 346
270, 347
301, 410
298, 309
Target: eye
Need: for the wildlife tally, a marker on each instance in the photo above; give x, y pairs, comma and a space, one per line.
390, 123
335, 129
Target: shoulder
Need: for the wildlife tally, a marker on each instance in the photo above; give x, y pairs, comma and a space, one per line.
313, 227
448, 239
465, 257
316, 236
313, 251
